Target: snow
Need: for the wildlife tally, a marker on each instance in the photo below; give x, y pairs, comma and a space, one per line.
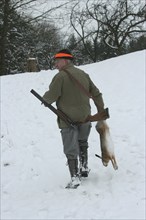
33, 167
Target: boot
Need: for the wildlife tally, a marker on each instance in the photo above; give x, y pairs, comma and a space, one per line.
73, 168
84, 161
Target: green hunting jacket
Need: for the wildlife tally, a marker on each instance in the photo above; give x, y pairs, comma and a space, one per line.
69, 98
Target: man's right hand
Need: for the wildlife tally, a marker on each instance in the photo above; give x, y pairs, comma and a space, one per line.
98, 116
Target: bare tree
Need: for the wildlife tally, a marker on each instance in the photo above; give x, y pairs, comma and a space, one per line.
121, 21
86, 29
113, 22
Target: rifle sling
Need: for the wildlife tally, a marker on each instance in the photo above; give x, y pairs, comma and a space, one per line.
79, 85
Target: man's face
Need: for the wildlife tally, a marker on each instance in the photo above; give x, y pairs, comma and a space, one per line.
60, 63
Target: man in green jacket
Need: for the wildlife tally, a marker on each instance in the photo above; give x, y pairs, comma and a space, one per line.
75, 104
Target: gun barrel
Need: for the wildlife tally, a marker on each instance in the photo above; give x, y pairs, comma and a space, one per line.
56, 111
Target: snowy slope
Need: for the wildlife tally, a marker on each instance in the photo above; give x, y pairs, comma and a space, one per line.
33, 166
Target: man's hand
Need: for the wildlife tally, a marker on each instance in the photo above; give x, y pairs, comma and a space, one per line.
43, 104
98, 116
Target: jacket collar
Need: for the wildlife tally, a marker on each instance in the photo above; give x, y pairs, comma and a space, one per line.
67, 66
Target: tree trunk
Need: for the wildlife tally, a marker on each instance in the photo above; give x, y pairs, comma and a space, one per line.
4, 31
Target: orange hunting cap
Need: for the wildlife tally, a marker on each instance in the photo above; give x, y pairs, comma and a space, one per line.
65, 54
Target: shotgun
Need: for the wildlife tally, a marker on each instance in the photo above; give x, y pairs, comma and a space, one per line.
97, 117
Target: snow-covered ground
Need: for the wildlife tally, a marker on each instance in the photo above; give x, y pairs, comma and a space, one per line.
33, 166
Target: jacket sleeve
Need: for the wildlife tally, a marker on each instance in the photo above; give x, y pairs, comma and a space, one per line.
54, 91
97, 96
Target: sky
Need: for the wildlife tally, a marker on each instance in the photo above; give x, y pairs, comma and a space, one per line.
33, 166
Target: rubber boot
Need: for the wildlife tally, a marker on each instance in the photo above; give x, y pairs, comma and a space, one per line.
73, 168
84, 161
